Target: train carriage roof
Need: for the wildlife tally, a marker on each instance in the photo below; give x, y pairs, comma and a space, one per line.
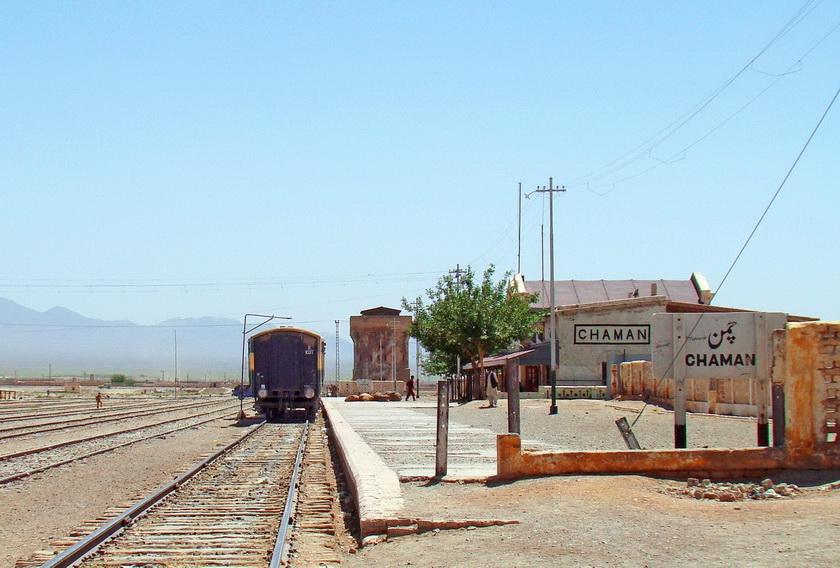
276, 330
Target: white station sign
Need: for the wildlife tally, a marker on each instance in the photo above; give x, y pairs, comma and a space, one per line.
717, 345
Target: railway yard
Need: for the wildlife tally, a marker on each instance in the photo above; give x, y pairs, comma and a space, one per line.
167, 481
72, 474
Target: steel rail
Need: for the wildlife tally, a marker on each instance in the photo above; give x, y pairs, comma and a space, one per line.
90, 411
58, 401
29, 404
92, 541
6, 433
22, 474
278, 555
83, 407
98, 436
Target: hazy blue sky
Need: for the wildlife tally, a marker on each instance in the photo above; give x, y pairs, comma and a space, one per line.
313, 159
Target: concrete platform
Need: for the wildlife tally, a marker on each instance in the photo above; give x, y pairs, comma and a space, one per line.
381, 443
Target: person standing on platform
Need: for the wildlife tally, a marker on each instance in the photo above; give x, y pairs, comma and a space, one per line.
409, 388
492, 386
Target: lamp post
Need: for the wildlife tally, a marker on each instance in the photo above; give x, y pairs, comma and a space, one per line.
245, 332
553, 331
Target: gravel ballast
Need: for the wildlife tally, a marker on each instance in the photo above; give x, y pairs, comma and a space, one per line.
35, 511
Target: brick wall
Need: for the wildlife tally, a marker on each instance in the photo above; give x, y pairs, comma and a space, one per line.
807, 363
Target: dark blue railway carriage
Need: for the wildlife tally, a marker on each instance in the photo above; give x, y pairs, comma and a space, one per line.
286, 370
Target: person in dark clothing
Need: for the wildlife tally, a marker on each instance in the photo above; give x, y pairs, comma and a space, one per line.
409, 388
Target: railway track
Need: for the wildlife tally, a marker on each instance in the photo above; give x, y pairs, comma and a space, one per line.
95, 419
35, 407
226, 512
315, 540
34, 411
28, 462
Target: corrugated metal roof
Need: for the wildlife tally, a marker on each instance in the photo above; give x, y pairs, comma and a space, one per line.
574, 292
495, 360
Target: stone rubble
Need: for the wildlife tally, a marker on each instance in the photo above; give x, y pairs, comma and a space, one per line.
387, 396
729, 492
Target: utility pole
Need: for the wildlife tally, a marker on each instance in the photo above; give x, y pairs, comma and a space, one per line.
542, 251
416, 305
458, 272
519, 234
553, 331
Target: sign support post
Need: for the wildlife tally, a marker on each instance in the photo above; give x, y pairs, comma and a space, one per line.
442, 438
679, 341
513, 402
762, 377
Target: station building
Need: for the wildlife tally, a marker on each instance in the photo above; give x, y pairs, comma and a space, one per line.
600, 323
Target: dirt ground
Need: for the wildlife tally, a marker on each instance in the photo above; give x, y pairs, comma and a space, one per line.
575, 521
614, 521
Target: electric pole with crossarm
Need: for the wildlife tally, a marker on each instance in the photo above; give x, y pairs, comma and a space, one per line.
553, 330
458, 272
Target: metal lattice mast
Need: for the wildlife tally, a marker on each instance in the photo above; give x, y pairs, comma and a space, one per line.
337, 359
394, 351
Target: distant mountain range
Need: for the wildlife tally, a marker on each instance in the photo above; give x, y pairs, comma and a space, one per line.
62, 342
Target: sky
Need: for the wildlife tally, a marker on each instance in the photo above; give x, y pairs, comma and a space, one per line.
165, 160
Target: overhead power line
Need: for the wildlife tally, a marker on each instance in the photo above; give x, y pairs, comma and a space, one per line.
646, 148
779, 189
118, 325
205, 284
747, 242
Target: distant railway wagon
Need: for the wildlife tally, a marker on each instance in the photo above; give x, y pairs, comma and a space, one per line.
286, 370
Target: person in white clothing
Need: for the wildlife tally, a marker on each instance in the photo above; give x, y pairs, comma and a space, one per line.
492, 389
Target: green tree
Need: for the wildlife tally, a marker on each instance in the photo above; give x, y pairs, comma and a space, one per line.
121, 379
471, 319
